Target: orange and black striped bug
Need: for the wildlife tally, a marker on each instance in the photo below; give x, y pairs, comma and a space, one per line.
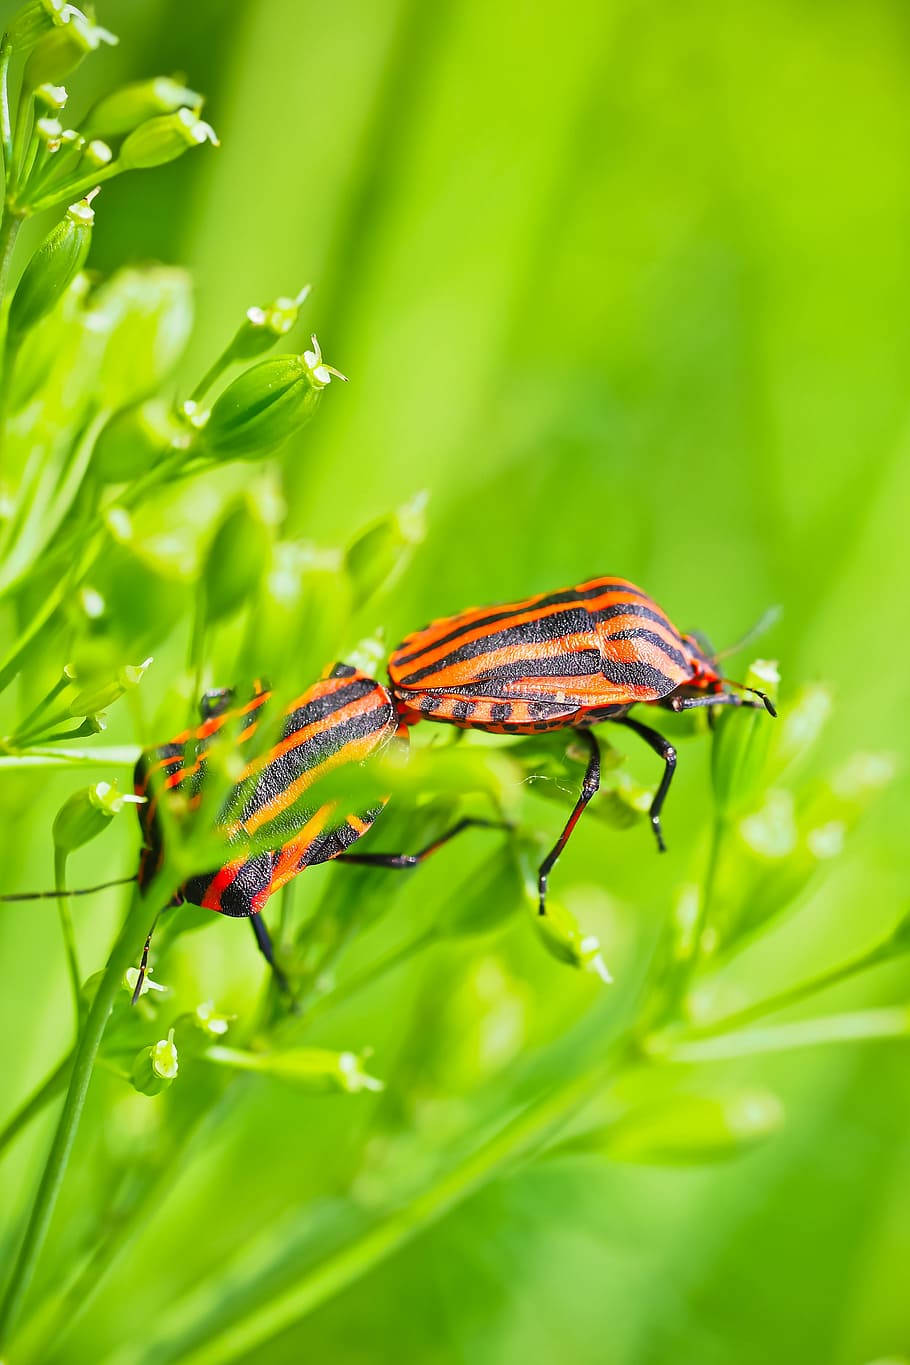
562, 660
344, 718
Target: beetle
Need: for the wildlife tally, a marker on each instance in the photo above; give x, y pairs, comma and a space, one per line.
346, 717
562, 660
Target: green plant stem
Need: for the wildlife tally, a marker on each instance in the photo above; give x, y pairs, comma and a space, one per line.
6, 126
123, 954
119, 756
66, 194
67, 929
858, 1026
49, 1088
794, 995
29, 721
527, 1131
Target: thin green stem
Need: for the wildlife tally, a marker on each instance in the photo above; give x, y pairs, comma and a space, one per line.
858, 1026
6, 126
211, 376
118, 756
793, 995
67, 194
39, 1099
125, 951
28, 723
529, 1130
67, 929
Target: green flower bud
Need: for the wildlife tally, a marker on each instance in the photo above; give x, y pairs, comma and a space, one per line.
135, 439
60, 50
155, 1067
741, 743
314, 1068
35, 19
267, 404
87, 813
236, 560
147, 314
52, 97
160, 140
689, 1129
49, 132
95, 155
379, 554
128, 107
262, 327
52, 269
563, 937
131, 981
196, 1031
102, 693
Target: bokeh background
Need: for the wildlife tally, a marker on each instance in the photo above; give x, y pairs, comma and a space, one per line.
625, 288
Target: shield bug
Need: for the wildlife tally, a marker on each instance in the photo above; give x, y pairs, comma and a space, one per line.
562, 660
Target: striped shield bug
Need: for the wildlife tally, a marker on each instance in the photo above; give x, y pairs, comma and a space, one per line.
562, 660
276, 810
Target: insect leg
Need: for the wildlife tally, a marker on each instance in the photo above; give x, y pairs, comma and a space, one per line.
589, 786
405, 860
143, 967
264, 943
665, 749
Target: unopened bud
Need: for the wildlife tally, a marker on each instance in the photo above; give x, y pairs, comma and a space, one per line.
690, 1129
60, 50
380, 553
267, 404
34, 19
52, 268
155, 1067
262, 327
135, 439
104, 693
163, 139
199, 1029
236, 560
147, 315
87, 813
564, 938
52, 97
125, 109
742, 741
314, 1068
96, 154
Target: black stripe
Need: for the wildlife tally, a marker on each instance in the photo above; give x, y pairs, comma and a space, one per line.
553, 600
334, 841
493, 682
653, 639
535, 631
319, 708
258, 790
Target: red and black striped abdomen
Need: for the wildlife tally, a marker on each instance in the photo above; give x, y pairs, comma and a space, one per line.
344, 718
564, 658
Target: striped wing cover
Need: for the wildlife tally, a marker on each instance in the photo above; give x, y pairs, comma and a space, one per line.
562, 658
346, 717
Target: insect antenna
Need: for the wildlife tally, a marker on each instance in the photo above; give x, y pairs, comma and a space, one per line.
65, 891
763, 696
765, 622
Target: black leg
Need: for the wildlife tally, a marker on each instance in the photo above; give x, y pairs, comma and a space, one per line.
589, 786
264, 943
143, 968
404, 860
665, 749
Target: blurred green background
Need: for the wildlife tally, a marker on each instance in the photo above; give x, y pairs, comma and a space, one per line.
624, 287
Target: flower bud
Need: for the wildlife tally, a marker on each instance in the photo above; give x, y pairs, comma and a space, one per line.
267, 403
262, 327
147, 314
126, 108
135, 439
95, 154
741, 743
163, 139
563, 937
379, 554
199, 1029
87, 813
236, 560
690, 1129
314, 1068
102, 693
155, 1067
34, 19
52, 97
52, 269
60, 50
